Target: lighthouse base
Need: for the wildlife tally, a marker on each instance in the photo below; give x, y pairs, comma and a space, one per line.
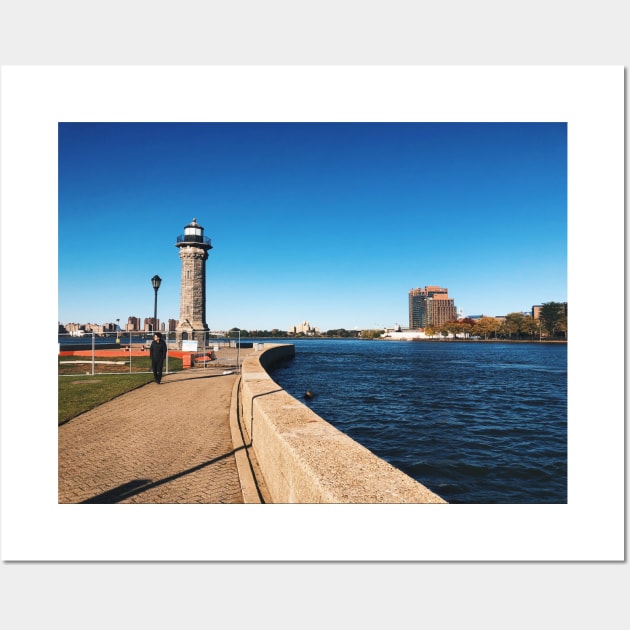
197, 333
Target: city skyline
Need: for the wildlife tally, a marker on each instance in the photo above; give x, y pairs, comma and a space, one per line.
133, 323
330, 222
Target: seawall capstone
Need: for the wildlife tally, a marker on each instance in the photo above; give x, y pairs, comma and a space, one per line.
305, 459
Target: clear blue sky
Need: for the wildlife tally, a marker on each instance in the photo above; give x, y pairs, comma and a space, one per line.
325, 222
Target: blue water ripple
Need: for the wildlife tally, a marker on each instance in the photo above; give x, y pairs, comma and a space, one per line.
475, 422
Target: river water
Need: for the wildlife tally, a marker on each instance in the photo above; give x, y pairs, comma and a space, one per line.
475, 422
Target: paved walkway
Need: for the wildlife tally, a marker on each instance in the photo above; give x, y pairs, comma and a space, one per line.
177, 442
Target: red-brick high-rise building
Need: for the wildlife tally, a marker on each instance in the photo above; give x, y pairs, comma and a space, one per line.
430, 306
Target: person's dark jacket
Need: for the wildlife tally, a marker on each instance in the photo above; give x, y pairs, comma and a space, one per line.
158, 350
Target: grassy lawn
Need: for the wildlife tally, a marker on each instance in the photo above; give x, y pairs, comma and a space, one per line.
79, 393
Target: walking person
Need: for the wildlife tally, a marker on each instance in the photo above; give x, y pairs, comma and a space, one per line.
158, 354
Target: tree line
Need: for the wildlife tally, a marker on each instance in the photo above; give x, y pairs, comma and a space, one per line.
275, 332
550, 324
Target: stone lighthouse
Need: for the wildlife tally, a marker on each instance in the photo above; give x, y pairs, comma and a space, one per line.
193, 251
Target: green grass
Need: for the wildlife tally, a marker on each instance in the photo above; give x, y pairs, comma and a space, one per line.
79, 393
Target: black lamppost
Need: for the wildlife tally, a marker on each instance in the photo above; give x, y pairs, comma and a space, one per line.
156, 281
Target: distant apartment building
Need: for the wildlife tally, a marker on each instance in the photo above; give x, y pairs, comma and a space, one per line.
133, 324
72, 327
304, 328
430, 306
150, 324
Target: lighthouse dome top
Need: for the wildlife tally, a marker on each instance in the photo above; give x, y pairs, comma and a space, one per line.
193, 225
193, 233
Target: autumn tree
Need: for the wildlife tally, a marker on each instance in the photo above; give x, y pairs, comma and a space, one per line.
371, 334
467, 324
453, 327
486, 326
513, 323
529, 326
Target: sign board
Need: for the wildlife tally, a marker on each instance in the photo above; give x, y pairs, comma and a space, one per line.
189, 345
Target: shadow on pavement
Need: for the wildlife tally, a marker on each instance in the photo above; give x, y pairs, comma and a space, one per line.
137, 486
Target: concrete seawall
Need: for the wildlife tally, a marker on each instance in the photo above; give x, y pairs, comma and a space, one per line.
303, 458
